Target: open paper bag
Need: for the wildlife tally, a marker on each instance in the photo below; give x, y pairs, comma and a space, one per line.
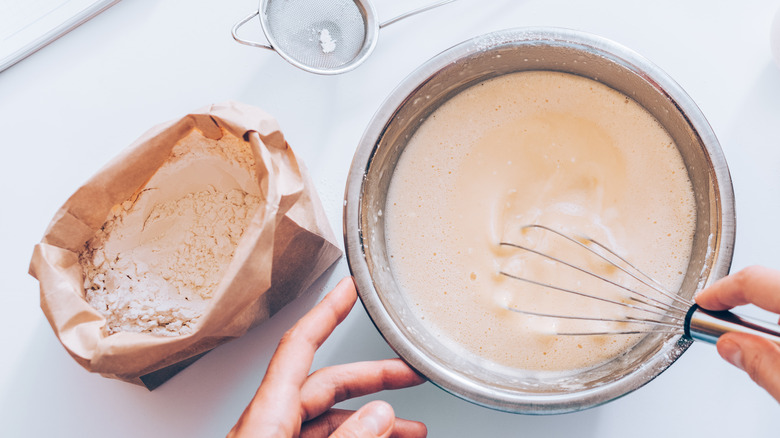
287, 245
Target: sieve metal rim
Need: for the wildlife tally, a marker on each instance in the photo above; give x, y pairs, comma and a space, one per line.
372, 30
370, 21
372, 27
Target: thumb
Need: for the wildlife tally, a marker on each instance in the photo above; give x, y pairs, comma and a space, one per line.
374, 420
759, 357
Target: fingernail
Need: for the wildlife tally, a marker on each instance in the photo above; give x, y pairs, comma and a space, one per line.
730, 351
377, 418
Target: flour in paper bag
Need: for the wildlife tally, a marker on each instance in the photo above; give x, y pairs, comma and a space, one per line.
155, 264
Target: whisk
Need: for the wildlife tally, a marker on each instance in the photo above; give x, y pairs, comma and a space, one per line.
653, 309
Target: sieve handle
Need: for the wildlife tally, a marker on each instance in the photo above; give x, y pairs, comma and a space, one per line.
234, 32
707, 325
414, 12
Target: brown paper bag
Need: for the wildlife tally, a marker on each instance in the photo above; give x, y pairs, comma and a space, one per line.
285, 248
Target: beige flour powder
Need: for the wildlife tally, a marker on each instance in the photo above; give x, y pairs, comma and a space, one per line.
156, 262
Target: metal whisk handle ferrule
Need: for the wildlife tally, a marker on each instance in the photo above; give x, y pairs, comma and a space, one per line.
708, 326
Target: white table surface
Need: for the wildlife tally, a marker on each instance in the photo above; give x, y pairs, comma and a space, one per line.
69, 108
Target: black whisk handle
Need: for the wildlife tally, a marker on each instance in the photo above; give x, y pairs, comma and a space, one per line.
708, 326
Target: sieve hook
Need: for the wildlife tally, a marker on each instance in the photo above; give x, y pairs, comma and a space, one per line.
246, 19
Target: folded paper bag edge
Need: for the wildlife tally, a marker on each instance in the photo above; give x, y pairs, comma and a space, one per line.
121, 177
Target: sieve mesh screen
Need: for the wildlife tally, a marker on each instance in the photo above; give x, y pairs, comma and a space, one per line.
324, 34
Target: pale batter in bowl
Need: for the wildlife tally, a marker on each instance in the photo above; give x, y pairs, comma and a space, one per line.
535, 147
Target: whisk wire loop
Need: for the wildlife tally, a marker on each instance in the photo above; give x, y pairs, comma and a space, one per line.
658, 287
594, 297
664, 313
626, 320
649, 282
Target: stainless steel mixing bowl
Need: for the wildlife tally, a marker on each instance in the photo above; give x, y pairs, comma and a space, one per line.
448, 74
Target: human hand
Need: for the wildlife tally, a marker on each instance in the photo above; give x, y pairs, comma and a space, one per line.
293, 403
759, 357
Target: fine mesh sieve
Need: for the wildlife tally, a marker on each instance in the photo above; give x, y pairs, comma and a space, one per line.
321, 36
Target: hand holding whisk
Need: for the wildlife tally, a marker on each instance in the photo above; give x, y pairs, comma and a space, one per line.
757, 356
646, 307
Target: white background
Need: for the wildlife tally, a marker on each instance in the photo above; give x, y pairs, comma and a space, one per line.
68, 109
